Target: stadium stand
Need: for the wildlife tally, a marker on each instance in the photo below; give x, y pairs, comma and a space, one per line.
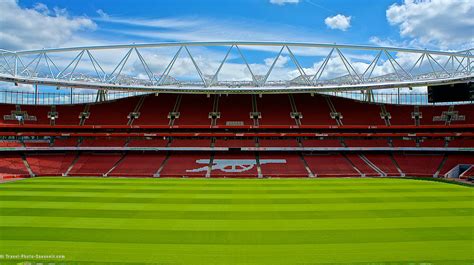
12, 165
235, 110
138, 165
185, 165
148, 142
410, 164
93, 164
357, 113
282, 165
227, 165
111, 113
314, 110
330, 165
235, 136
275, 110
50, 164
155, 109
384, 162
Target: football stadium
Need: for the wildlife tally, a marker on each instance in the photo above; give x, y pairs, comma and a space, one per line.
196, 152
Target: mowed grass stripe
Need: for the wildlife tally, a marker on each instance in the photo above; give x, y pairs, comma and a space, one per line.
433, 252
236, 237
166, 200
238, 225
234, 207
236, 215
202, 195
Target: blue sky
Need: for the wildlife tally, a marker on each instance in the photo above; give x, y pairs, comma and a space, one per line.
380, 22
431, 24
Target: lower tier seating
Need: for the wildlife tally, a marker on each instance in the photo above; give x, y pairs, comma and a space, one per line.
385, 163
12, 165
330, 165
186, 164
138, 165
227, 165
50, 164
410, 164
232, 164
282, 165
94, 164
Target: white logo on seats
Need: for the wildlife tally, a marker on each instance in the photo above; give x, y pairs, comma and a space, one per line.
233, 165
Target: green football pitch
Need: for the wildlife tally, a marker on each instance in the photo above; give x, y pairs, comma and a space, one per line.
235, 221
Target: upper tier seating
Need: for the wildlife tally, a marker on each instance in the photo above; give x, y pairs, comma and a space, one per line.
155, 109
138, 165
330, 165
282, 165
315, 110
410, 164
429, 114
40, 113
464, 110
111, 113
50, 164
358, 113
69, 114
194, 110
400, 114
275, 110
235, 110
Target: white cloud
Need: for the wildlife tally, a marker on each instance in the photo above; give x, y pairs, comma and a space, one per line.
284, 2
38, 27
338, 21
439, 23
281, 62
